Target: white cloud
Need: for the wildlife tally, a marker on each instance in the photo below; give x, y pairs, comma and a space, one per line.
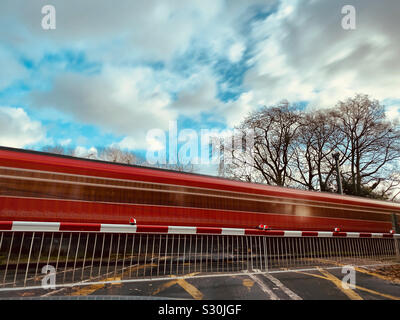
197, 93
235, 111
236, 52
123, 101
299, 53
65, 142
84, 152
17, 129
153, 30
140, 141
10, 67
302, 53
127, 98
393, 113
154, 144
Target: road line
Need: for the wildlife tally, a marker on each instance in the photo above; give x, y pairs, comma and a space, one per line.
113, 281
328, 276
191, 289
247, 283
188, 287
360, 269
85, 291
86, 282
281, 286
264, 288
357, 287
377, 275
312, 275
338, 283
93, 288
164, 286
378, 293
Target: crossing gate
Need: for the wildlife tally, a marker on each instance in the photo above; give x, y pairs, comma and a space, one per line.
30, 251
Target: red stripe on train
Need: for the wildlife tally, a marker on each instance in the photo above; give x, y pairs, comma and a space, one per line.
23, 159
55, 210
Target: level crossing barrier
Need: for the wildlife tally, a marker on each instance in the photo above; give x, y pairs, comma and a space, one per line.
79, 252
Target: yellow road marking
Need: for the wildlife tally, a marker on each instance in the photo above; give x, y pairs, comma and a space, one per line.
357, 287
312, 275
362, 270
170, 283
248, 283
27, 294
135, 268
164, 286
189, 288
338, 283
87, 290
90, 289
377, 275
378, 293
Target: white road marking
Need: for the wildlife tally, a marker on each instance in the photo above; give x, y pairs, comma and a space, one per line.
281, 286
70, 285
264, 287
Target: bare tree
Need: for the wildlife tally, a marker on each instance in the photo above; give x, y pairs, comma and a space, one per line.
319, 137
295, 148
59, 149
116, 154
372, 144
176, 167
275, 130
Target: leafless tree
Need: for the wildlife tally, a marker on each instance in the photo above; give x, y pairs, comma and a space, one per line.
59, 149
275, 130
295, 148
176, 167
116, 154
319, 137
372, 144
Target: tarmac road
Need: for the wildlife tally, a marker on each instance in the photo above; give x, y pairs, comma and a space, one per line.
304, 284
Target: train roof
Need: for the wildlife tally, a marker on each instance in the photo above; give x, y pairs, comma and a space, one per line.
45, 161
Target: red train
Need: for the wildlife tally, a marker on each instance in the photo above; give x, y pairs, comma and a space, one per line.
37, 186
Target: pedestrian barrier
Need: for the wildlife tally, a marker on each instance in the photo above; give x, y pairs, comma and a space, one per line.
93, 252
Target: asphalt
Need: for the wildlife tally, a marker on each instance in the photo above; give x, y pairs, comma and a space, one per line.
311, 284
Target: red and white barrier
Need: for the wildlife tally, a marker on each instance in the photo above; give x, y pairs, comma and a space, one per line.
30, 226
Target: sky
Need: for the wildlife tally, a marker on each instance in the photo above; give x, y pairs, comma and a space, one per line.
111, 71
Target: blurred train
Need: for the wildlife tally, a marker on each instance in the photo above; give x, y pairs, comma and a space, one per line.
37, 186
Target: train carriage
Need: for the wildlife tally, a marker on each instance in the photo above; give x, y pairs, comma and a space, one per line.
38, 186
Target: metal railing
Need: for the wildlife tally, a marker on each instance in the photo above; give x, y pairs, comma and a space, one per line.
134, 252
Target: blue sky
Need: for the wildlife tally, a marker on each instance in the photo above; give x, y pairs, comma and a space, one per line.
109, 73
